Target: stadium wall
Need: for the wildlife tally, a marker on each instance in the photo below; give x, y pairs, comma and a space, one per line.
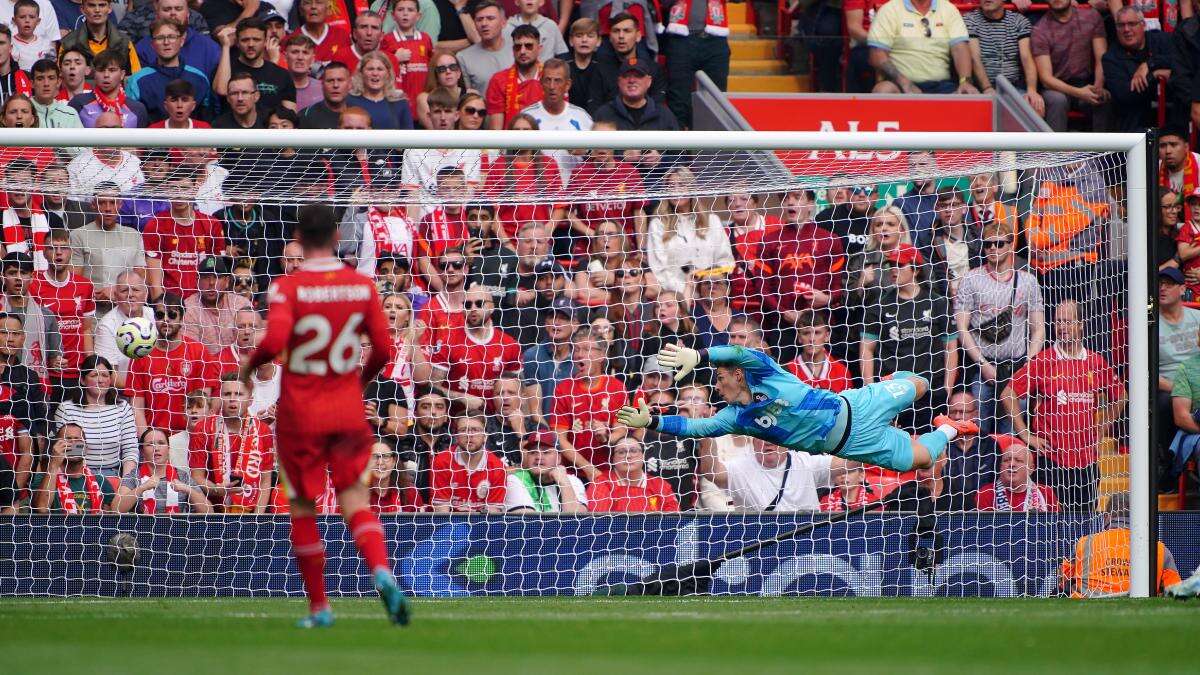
988, 554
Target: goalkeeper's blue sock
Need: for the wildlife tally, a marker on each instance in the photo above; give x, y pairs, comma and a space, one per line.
936, 441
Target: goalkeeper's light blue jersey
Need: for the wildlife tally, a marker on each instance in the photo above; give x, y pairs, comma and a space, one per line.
783, 410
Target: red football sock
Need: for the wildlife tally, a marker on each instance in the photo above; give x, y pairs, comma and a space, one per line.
310, 558
368, 536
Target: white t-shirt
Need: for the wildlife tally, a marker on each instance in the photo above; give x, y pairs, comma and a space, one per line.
572, 118
180, 444
753, 487
29, 53
266, 392
106, 337
1176, 178
516, 496
86, 172
47, 27
420, 169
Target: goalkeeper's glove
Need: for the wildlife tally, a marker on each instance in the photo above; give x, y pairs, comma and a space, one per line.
638, 418
680, 358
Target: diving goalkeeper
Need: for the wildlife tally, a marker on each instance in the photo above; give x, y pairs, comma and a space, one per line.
765, 401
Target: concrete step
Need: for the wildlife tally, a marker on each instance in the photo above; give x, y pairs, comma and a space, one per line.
769, 83
1113, 466
741, 31
751, 49
757, 67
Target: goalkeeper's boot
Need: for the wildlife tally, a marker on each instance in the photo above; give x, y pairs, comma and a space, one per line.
963, 427
319, 619
393, 598
1188, 588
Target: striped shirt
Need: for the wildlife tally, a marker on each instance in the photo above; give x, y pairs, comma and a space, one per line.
110, 431
999, 44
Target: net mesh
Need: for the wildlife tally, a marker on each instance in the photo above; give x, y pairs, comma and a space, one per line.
536, 288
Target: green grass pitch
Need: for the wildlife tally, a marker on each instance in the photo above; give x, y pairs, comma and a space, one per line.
612, 636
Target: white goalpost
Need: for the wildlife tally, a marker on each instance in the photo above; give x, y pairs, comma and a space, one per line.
1114, 305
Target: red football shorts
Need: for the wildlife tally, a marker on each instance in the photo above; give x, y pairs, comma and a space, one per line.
307, 458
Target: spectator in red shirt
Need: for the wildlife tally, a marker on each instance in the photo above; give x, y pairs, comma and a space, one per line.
411, 48
332, 42
392, 488
530, 173
232, 453
474, 356
176, 240
852, 492
814, 364
1015, 488
585, 406
804, 261
445, 310
468, 478
1074, 400
627, 487
444, 227
70, 297
513, 89
605, 177
159, 382
747, 227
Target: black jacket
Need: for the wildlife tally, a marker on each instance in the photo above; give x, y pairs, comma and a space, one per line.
654, 116
1132, 110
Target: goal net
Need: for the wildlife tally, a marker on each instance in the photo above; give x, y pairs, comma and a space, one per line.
528, 292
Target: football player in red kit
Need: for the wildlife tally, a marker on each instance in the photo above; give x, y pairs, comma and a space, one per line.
317, 317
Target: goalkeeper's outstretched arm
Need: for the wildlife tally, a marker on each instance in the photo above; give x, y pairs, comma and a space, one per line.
677, 425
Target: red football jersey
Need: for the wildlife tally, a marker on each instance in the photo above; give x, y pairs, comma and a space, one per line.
438, 321
163, 380
1065, 403
10, 429
72, 303
580, 401
539, 178
224, 455
508, 93
440, 230
465, 488
316, 318
654, 494
474, 365
334, 44
607, 187
833, 376
410, 76
181, 247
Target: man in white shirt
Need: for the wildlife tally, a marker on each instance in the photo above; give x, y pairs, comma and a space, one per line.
542, 485
93, 166
554, 113
128, 296
773, 478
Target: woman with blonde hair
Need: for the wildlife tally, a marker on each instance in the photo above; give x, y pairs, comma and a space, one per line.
373, 88
684, 235
444, 72
889, 230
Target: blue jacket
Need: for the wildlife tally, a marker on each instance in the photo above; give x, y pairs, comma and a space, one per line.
783, 411
149, 86
198, 50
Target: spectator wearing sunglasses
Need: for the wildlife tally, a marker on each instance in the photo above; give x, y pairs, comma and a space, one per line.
444, 73
513, 89
178, 364
444, 311
475, 355
920, 47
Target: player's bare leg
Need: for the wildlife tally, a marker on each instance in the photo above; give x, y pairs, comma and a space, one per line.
310, 558
364, 526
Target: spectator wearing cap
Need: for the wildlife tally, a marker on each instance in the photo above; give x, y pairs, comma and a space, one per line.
69, 487
148, 85
909, 328
178, 239
920, 47
1187, 242
1000, 317
1074, 398
585, 406
515, 88
1133, 69
108, 95
97, 32
1015, 489
198, 50
136, 23
520, 307
625, 43
654, 378
633, 109
493, 52
550, 361
1178, 331
684, 235
542, 484
43, 347
1068, 44
209, 314
274, 84
626, 487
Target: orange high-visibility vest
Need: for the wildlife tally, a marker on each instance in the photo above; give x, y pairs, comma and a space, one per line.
1100, 566
1057, 230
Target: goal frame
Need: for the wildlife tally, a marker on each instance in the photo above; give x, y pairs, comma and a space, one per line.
1139, 149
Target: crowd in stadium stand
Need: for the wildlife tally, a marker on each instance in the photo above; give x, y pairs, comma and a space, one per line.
521, 328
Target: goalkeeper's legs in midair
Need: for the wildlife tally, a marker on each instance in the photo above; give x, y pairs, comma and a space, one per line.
364, 526
874, 440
